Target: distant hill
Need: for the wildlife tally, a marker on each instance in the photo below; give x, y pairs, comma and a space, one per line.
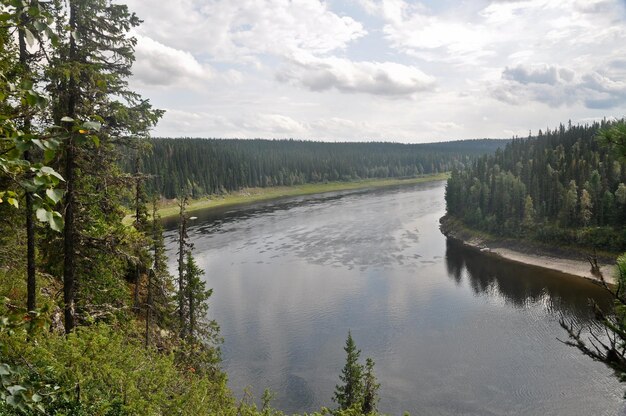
209, 166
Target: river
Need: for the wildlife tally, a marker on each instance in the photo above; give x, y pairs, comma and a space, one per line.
452, 331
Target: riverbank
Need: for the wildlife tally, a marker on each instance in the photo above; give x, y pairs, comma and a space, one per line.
565, 260
247, 196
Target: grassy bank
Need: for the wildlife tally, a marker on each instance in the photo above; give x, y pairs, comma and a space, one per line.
249, 195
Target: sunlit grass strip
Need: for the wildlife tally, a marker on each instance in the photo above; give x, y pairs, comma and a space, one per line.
250, 195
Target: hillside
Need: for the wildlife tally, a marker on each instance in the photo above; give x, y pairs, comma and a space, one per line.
210, 166
561, 186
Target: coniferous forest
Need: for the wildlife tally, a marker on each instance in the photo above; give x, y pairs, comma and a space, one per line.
562, 186
212, 166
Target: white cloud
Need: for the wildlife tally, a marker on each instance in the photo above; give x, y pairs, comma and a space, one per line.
556, 86
243, 29
412, 29
310, 69
204, 124
542, 74
444, 126
273, 125
473, 35
377, 78
157, 64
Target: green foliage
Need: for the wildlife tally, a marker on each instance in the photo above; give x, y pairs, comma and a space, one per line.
22, 100
358, 393
197, 297
605, 340
614, 137
22, 387
370, 388
560, 187
213, 166
101, 370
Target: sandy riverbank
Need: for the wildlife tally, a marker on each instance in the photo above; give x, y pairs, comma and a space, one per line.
558, 259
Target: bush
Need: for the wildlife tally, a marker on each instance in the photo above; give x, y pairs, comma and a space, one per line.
105, 371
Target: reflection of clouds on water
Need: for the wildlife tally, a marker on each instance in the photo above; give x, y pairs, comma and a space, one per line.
447, 329
337, 230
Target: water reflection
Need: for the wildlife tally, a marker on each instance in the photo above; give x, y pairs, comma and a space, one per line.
452, 331
213, 219
521, 285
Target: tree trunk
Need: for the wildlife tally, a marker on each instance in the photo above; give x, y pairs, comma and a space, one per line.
137, 227
137, 283
69, 232
192, 309
31, 282
182, 231
149, 306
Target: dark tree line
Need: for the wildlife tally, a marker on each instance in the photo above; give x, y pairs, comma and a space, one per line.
560, 186
210, 166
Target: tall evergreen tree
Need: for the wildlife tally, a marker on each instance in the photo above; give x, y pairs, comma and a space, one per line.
183, 248
88, 85
197, 297
159, 300
21, 128
26, 67
370, 389
350, 393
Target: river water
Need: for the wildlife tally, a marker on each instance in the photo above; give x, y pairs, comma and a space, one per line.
452, 331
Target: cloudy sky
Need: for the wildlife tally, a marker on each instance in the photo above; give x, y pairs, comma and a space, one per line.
397, 70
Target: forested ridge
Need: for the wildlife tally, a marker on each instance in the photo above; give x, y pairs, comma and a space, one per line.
211, 166
561, 186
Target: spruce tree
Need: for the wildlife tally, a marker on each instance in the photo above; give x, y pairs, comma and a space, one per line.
183, 248
370, 389
197, 297
87, 82
350, 393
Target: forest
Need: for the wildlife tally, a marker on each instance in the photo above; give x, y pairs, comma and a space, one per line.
561, 186
211, 166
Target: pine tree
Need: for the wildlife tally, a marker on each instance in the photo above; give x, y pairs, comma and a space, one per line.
350, 393
183, 249
162, 282
87, 80
197, 297
25, 62
370, 389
